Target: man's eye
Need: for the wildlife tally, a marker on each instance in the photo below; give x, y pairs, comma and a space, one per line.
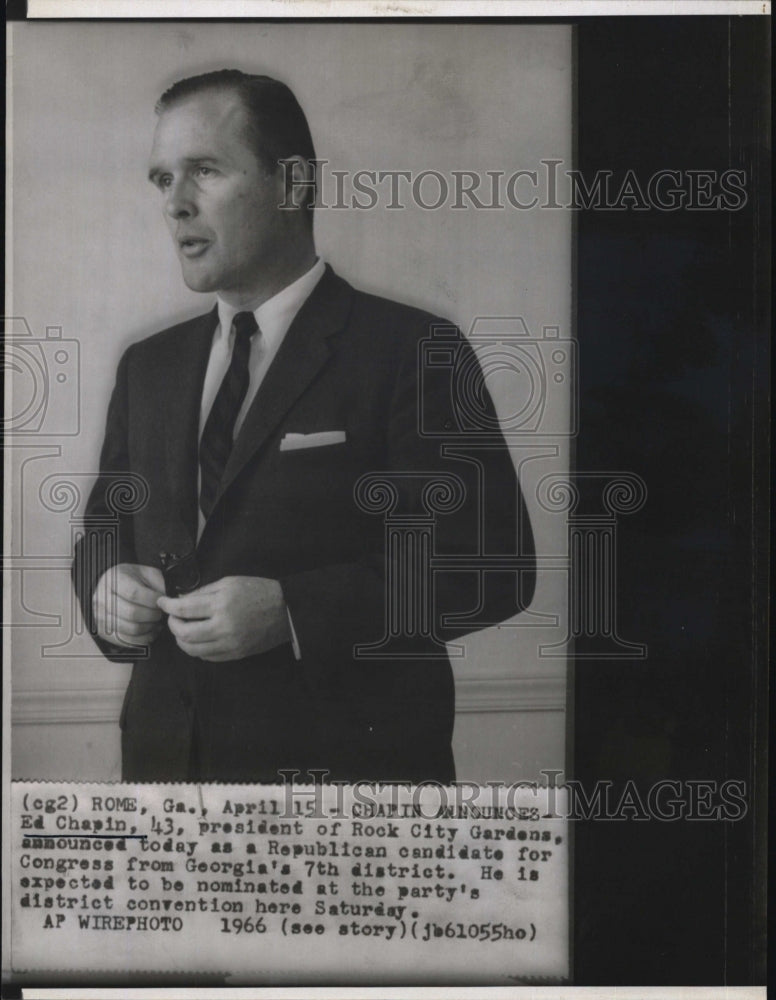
164, 181
204, 171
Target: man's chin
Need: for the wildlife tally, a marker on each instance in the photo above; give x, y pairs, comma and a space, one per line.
199, 282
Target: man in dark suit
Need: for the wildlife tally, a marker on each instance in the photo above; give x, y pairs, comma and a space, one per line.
271, 644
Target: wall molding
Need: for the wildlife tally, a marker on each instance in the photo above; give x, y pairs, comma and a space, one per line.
66, 706
511, 694
78, 706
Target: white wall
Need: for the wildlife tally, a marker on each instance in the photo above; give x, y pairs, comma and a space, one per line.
90, 254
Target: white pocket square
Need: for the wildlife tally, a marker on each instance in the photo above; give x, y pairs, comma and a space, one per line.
292, 442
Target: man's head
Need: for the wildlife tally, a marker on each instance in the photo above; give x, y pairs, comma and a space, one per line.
215, 157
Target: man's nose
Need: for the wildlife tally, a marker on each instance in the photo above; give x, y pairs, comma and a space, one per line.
179, 201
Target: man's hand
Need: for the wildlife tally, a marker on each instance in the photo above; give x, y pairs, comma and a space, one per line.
124, 604
234, 617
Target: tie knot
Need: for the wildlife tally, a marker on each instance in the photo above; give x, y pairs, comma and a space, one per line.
245, 325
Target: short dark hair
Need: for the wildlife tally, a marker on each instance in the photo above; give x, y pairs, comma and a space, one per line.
277, 127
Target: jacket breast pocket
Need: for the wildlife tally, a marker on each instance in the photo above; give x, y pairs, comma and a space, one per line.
318, 469
314, 451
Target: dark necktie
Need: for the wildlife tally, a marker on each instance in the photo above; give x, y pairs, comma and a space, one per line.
217, 437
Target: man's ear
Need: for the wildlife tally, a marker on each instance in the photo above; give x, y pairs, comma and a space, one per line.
298, 181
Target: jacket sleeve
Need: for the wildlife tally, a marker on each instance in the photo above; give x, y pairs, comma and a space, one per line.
337, 607
106, 538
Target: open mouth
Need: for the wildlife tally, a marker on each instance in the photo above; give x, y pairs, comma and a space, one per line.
193, 247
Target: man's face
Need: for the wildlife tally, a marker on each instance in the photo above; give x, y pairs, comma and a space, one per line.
220, 204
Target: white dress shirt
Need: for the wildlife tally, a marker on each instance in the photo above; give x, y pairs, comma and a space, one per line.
273, 317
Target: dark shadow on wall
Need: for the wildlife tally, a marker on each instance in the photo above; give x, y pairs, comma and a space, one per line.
673, 387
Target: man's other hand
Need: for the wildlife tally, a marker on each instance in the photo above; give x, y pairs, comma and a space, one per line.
124, 604
234, 617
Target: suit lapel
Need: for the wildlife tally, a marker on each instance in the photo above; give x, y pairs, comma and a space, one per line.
304, 351
182, 388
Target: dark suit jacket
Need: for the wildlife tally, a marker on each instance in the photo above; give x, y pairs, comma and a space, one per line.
350, 361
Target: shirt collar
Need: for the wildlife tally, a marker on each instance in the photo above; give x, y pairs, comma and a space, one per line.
274, 316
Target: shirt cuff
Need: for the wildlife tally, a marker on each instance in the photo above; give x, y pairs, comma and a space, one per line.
294, 640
